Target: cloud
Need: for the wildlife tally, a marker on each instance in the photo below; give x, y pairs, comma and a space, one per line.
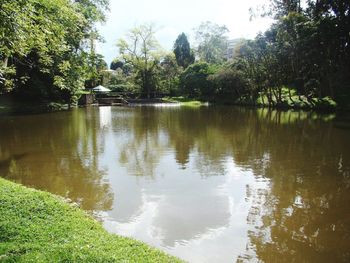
174, 17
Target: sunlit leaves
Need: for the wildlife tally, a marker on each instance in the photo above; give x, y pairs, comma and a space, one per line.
141, 49
45, 40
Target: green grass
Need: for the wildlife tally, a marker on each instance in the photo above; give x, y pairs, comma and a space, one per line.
37, 226
184, 101
298, 102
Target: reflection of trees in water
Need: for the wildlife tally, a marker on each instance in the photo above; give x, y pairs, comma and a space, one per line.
60, 156
182, 204
301, 215
186, 131
154, 131
300, 219
198, 132
141, 157
141, 151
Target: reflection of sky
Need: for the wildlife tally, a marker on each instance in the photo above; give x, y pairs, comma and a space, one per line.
167, 177
105, 116
197, 217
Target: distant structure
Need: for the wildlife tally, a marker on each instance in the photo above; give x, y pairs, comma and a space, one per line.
232, 47
101, 89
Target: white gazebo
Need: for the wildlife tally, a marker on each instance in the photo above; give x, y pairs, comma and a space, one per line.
100, 88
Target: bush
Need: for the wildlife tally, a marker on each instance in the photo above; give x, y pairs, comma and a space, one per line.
194, 80
230, 84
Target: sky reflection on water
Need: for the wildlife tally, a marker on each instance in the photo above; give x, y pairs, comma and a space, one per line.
212, 184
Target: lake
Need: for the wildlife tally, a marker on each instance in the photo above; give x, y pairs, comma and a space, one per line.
208, 184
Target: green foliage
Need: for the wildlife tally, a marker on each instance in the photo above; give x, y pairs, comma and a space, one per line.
96, 70
194, 81
121, 77
116, 63
291, 99
141, 50
304, 52
42, 46
121, 82
212, 42
168, 75
39, 227
182, 50
230, 84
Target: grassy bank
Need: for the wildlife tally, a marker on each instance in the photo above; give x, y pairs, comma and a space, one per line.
291, 100
184, 101
36, 226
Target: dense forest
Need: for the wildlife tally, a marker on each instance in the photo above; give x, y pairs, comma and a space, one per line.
301, 61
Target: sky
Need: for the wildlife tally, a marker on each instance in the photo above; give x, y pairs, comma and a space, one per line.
172, 17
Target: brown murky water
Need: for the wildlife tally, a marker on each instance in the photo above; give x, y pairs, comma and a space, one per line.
214, 184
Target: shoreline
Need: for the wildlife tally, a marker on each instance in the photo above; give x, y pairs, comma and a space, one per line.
40, 226
31, 108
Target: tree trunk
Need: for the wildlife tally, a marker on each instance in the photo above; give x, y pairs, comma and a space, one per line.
269, 97
262, 98
290, 95
275, 95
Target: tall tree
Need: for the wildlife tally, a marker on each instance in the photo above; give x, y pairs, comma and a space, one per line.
182, 50
212, 42
141, 49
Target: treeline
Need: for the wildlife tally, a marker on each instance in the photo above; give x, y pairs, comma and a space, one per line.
305, 54
47, 52
47, 47
301, 61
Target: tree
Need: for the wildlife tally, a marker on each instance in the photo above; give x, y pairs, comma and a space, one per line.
43, 46
182, 50
212, 42
169, 74
116, 63
194, 80
97, 67
281, 8
141, 49
230, 83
